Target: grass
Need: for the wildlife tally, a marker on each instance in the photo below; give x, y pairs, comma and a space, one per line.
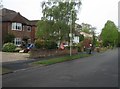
60, 59
4, 70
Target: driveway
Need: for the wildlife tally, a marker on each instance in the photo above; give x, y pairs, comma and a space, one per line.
11, 57
100, 70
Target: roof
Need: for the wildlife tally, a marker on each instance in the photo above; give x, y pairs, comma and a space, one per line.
13, 16
86, 34
34, 22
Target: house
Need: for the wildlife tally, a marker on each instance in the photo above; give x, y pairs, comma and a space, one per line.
78, 32
86, 35
14, 23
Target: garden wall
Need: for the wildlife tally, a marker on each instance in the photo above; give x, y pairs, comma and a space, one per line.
38, 53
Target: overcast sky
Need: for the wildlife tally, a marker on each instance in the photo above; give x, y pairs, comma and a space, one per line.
94, 12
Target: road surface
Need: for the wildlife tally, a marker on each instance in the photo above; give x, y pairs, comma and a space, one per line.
100, 70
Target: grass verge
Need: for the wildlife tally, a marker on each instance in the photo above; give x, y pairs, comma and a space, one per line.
4, 71
60, 59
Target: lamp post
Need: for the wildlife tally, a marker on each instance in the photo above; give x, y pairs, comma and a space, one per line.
70, 35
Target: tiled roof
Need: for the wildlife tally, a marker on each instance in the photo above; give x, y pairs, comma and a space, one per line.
34, 22
12, 16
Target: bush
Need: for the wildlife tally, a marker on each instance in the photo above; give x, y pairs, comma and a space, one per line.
9, 47
80, 47
40, 44
50, 44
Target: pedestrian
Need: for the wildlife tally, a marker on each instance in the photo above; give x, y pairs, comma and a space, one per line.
90, 49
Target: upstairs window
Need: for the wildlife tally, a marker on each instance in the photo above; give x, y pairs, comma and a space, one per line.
17, 26
29, 28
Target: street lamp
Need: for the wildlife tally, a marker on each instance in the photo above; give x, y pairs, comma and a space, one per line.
70, 35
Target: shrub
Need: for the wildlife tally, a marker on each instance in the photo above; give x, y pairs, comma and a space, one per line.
50, 44
80, 47
39, 43
9, 47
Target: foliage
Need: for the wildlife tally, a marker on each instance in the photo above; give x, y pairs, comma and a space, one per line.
56, 20
80, 46
97, 44
81, 38
39, 43
86, 28
9, 47
49, 30
109, 34
9, 38
48, 44
94, 40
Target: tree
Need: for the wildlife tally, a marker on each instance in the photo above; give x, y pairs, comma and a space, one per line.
54, 24
109, 34
81, 38
86, 28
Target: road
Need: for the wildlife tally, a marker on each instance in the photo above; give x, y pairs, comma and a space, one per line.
100, 70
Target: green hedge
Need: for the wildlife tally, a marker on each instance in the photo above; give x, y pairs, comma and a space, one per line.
48, 44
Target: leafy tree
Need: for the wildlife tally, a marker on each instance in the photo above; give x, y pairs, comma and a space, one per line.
86, 28
54, 24
109, 34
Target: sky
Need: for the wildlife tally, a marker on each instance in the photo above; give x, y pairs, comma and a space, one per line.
94, 12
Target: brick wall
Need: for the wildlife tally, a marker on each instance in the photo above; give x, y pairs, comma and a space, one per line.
38, 53
7, 26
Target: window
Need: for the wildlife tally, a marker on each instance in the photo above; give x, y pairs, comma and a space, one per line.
17, 41
29, 28
17, 26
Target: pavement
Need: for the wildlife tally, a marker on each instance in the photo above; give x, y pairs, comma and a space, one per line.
100, 70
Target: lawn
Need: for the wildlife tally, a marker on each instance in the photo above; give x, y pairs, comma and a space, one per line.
4, 70
60, 59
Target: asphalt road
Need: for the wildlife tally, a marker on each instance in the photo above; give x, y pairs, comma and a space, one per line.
100, 70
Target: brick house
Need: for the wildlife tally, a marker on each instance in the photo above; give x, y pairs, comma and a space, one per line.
14, 23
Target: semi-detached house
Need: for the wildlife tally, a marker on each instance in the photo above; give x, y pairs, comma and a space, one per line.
14, 23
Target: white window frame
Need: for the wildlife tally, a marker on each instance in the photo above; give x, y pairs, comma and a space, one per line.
17, 41
17, 26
